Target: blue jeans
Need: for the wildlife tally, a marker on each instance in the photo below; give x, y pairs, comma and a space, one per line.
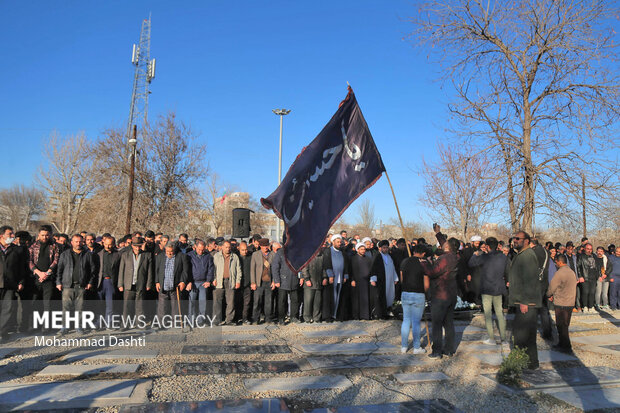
413, 308
197, 300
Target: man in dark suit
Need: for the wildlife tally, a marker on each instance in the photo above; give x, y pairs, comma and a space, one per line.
135, 277
109, 260
172, 271
13, 270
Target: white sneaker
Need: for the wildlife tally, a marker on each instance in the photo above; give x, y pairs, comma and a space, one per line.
419, 350
489, 342
403, 350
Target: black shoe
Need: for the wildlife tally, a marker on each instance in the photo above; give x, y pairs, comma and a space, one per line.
449, 354
247, 322
435, 356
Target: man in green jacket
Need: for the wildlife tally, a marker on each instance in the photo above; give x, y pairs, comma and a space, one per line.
524, 294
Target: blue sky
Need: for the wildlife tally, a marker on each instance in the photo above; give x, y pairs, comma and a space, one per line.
223, 66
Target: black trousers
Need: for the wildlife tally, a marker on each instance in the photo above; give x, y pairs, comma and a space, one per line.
588, 289
562, 322
167, 304
133, 303
247, 304
283, 296
42, 294
262, 298
442, 317
545, 318
8, 304
524, 333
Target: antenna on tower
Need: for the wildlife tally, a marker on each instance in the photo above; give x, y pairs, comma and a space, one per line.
144, 73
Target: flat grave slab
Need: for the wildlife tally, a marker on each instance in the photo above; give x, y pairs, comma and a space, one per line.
349, 348
415, 378
277, 405
110, 355
469, 346
572, 376
578, 328
165, 338
241, 337
365, 362
588, 398
236, 349
244, 328
31, 394
87, 369
596, 320
7, 351
614, 347
599, 340
297, 383
544, 356
234, 367
463, 329
334, 333
474, 336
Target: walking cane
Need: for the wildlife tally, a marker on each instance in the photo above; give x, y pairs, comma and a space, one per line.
179, 303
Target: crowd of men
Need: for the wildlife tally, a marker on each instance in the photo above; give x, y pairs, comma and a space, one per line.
350, 278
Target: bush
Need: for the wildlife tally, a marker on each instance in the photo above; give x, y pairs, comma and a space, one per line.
513, 365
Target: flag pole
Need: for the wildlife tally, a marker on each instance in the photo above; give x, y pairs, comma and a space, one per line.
402, 226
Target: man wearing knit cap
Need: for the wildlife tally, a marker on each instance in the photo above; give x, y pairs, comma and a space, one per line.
336, 294
261, 282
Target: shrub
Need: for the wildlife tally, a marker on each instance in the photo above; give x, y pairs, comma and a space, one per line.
512, 366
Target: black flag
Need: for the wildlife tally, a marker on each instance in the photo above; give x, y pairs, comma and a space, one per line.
327, 176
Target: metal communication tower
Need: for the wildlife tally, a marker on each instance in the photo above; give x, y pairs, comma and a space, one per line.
138, 111
143, 75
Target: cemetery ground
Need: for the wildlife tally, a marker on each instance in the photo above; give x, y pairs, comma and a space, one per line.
347, 367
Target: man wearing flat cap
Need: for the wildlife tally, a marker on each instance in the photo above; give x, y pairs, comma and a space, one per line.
336, 265
135, 277
261, 282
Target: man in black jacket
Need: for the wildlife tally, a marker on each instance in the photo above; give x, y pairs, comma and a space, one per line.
172, 271
77, 272
287, 283
492, 286
314, 280
13, 270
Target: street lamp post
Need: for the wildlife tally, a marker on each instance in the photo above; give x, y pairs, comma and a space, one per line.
281, 113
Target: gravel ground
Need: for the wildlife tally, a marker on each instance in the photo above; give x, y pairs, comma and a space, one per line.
466, 389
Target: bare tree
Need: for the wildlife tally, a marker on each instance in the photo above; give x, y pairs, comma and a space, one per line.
536, 87
68, 178
20, 204
170, 166
366, 218
459, 191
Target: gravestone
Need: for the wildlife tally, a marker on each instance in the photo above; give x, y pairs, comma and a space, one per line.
236, 349
334, 333
233, 367
614, 347
588, 398
415, 378
572, 376
282, 405
241, 337
599, 340
349, 348
578, 329
110, 355
544, 356
365, 362
87, 369
165, 338
7, 351
297, 383
85, 392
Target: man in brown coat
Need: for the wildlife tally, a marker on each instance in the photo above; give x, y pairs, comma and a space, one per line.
135, 277
562, 290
